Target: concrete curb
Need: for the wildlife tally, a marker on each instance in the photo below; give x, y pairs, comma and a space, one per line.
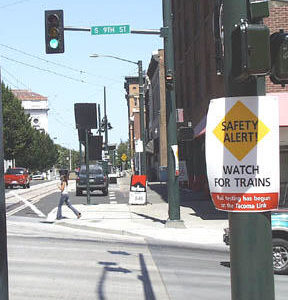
183, 244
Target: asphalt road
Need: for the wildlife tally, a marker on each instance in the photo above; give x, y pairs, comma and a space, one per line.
61, 263
48, 203
47, 261
193, 273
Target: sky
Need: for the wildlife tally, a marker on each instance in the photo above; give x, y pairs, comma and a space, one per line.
74, 77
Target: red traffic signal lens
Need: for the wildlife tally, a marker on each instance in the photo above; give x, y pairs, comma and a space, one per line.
53, 19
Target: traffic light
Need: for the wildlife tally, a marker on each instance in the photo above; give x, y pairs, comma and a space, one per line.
250, 51
54, 31
85, 115
95, 147
279, 57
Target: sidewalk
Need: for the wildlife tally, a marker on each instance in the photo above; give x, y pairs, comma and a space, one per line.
202, 224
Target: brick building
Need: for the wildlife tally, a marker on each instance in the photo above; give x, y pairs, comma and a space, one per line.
155, 102
131, 86
199, 73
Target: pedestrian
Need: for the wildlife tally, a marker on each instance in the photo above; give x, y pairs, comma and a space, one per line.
65, 198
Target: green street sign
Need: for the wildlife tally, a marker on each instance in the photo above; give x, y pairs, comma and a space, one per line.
115, 29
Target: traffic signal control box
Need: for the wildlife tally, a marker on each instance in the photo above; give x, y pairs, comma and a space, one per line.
250, 50
54, 31
279, 57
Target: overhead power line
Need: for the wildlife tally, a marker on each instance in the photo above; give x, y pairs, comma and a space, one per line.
13, 3
45, 70
8, 82
15, 78
53, 63
44, 60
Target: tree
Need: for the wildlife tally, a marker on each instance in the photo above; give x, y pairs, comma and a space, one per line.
17, 129
29, 147
123, 148
41, 154
64, 156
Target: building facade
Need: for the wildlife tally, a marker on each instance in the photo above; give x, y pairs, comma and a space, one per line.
198, 51
131, 86
154, 119
36, 106
156, 136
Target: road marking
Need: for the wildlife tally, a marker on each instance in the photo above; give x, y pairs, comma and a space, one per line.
114, 188
113, 202
26, 203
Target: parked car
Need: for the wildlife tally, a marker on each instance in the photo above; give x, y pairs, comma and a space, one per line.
17, 177
112, 177
72, 175
279, 220
39, 176
97, 180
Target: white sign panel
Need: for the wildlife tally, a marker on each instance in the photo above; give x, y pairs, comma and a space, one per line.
138, 146
137, 197
242, 153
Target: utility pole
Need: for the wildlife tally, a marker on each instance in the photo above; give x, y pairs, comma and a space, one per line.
105, 122
80, 152
4, 294
99, 120
142, 155
250, 233
70, 159
173, 180
142, 122
87, 164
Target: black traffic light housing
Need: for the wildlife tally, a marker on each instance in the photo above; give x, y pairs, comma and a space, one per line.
279, 57
250, 50
54, 31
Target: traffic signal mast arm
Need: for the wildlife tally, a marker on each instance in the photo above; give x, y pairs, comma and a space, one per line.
135, 31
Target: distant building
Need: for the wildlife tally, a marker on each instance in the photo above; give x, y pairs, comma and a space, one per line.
131, 86
36, 106
155, 102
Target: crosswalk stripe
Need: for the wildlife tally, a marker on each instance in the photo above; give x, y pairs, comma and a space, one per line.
26, 203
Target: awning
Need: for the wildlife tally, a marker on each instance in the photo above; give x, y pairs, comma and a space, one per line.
200, 128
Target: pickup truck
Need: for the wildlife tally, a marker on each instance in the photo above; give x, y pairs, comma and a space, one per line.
17, 177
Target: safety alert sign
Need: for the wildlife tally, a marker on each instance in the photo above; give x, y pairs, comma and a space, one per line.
242, 153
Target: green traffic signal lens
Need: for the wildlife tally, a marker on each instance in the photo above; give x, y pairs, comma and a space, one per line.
54, 43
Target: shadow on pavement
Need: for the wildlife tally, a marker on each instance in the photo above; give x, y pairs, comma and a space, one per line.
150, 218
200, 202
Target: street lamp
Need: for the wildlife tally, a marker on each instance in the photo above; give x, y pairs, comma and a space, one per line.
141, 103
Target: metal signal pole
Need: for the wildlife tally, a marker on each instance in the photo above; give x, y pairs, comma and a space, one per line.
250, 233
3, 231
173, 180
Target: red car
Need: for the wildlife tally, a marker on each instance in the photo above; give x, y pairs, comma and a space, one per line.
17, 177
